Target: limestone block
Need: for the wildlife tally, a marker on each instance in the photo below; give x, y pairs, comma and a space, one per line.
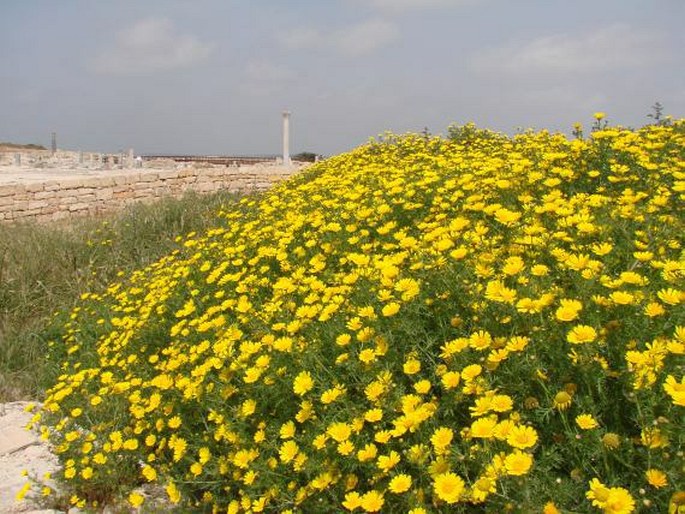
148, 177
187, 172
143, 193
104, 194
98, 182
12, 190
81, 206
20, 206
64, 193
34, 187
44, 195
167, 174
59, 215
38, 204
121, 180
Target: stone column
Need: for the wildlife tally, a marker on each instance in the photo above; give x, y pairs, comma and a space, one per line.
286, 138
129, 164
17, 159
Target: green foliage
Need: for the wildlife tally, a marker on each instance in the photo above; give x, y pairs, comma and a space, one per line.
475, 324
44, 268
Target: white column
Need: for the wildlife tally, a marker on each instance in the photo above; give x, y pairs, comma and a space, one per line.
286, 138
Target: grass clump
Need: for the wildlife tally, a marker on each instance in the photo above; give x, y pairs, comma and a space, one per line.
473, 324
44, 268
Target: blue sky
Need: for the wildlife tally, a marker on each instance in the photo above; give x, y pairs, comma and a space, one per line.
213, 76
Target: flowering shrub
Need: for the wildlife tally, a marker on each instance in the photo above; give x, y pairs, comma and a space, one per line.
414, 326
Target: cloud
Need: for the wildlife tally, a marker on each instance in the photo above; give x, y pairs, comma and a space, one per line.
303, 37
358, 39
406, 5
151, 45
262, 77
266, 71
365, 37
617, 46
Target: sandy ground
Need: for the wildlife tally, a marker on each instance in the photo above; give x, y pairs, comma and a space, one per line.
20, 450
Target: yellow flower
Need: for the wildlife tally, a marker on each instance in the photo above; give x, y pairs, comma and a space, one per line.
173, 493
448, 487
562, 400
149, 473
611, 440
568, 310
550, 508
412, 366
386, 462
656, 478
372, 501
339, 431
619, 501
288, 451
367, 356
522, 437
441, 438
502, 403
675, 389
196, 469
653, 438
677, 503
671, 296
373, 415
353, 500
481, 340
400, 484
450, 380
622, 298
130, 444
422, 386
248, 407
174, 422
303, 383
599, 115
21, 494
390, 309
539, 270
654, 309
471, 371
345, 448
483, 487
586, 421
518, 463
367, 453
287, 430
484, 428
581, 334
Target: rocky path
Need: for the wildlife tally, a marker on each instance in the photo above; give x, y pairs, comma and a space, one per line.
20, 451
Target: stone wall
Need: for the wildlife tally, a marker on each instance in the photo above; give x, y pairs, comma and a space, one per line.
72, 196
